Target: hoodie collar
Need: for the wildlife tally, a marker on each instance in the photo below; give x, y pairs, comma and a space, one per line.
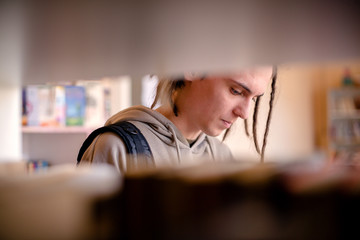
162, 127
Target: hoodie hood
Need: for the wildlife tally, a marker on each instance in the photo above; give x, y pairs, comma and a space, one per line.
159, 125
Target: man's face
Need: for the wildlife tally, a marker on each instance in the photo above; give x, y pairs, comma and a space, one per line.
219, 100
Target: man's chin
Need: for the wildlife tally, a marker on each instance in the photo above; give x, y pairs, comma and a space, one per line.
214, 133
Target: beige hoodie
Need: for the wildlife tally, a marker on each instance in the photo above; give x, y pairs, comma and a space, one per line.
168, 145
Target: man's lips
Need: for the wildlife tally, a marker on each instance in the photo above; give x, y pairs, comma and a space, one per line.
227, 124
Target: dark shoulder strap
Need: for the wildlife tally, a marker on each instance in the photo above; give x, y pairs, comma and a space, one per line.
134, 140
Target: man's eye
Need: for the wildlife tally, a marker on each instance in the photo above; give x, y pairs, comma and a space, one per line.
235, 92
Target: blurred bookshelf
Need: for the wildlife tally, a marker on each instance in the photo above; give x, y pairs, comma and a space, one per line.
344, 119
57, 117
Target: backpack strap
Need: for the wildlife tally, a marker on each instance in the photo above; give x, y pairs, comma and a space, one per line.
135, 142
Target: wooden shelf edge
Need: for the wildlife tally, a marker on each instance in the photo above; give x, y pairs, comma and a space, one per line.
67, 129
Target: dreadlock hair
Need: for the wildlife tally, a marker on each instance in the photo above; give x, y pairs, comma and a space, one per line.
272, 96
254, 126
246, 128
261, 151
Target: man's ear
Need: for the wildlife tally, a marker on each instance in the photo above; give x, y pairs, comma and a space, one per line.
191, 76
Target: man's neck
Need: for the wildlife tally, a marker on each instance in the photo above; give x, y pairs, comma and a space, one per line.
181, 122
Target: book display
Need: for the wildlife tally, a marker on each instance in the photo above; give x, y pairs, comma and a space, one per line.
62, 105
62, 115
344, 119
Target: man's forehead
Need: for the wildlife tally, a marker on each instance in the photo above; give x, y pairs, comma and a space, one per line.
262, 72
247, 74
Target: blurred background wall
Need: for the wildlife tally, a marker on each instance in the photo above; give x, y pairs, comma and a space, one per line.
312, 42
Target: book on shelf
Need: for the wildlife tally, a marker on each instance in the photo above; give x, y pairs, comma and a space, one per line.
345, 105
344, 118
345, 101
31, 106
96, 107
46, 102
75, 103
87, 103
346, 132
42, 105
53, 105
60, 108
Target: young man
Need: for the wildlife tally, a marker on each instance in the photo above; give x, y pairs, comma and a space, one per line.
193, 111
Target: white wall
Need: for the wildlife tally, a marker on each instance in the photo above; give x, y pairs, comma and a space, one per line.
10, 137
10, 80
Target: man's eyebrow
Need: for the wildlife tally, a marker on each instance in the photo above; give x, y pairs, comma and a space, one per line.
242, 85
245, 87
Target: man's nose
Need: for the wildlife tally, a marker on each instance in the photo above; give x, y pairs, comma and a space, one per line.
242, 110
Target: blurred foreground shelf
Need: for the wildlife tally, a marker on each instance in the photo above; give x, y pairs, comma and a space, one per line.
228, 200
304, 200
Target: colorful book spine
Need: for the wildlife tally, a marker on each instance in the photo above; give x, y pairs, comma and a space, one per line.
60, 106
75, 105
46, 102
95, 100
32, 105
